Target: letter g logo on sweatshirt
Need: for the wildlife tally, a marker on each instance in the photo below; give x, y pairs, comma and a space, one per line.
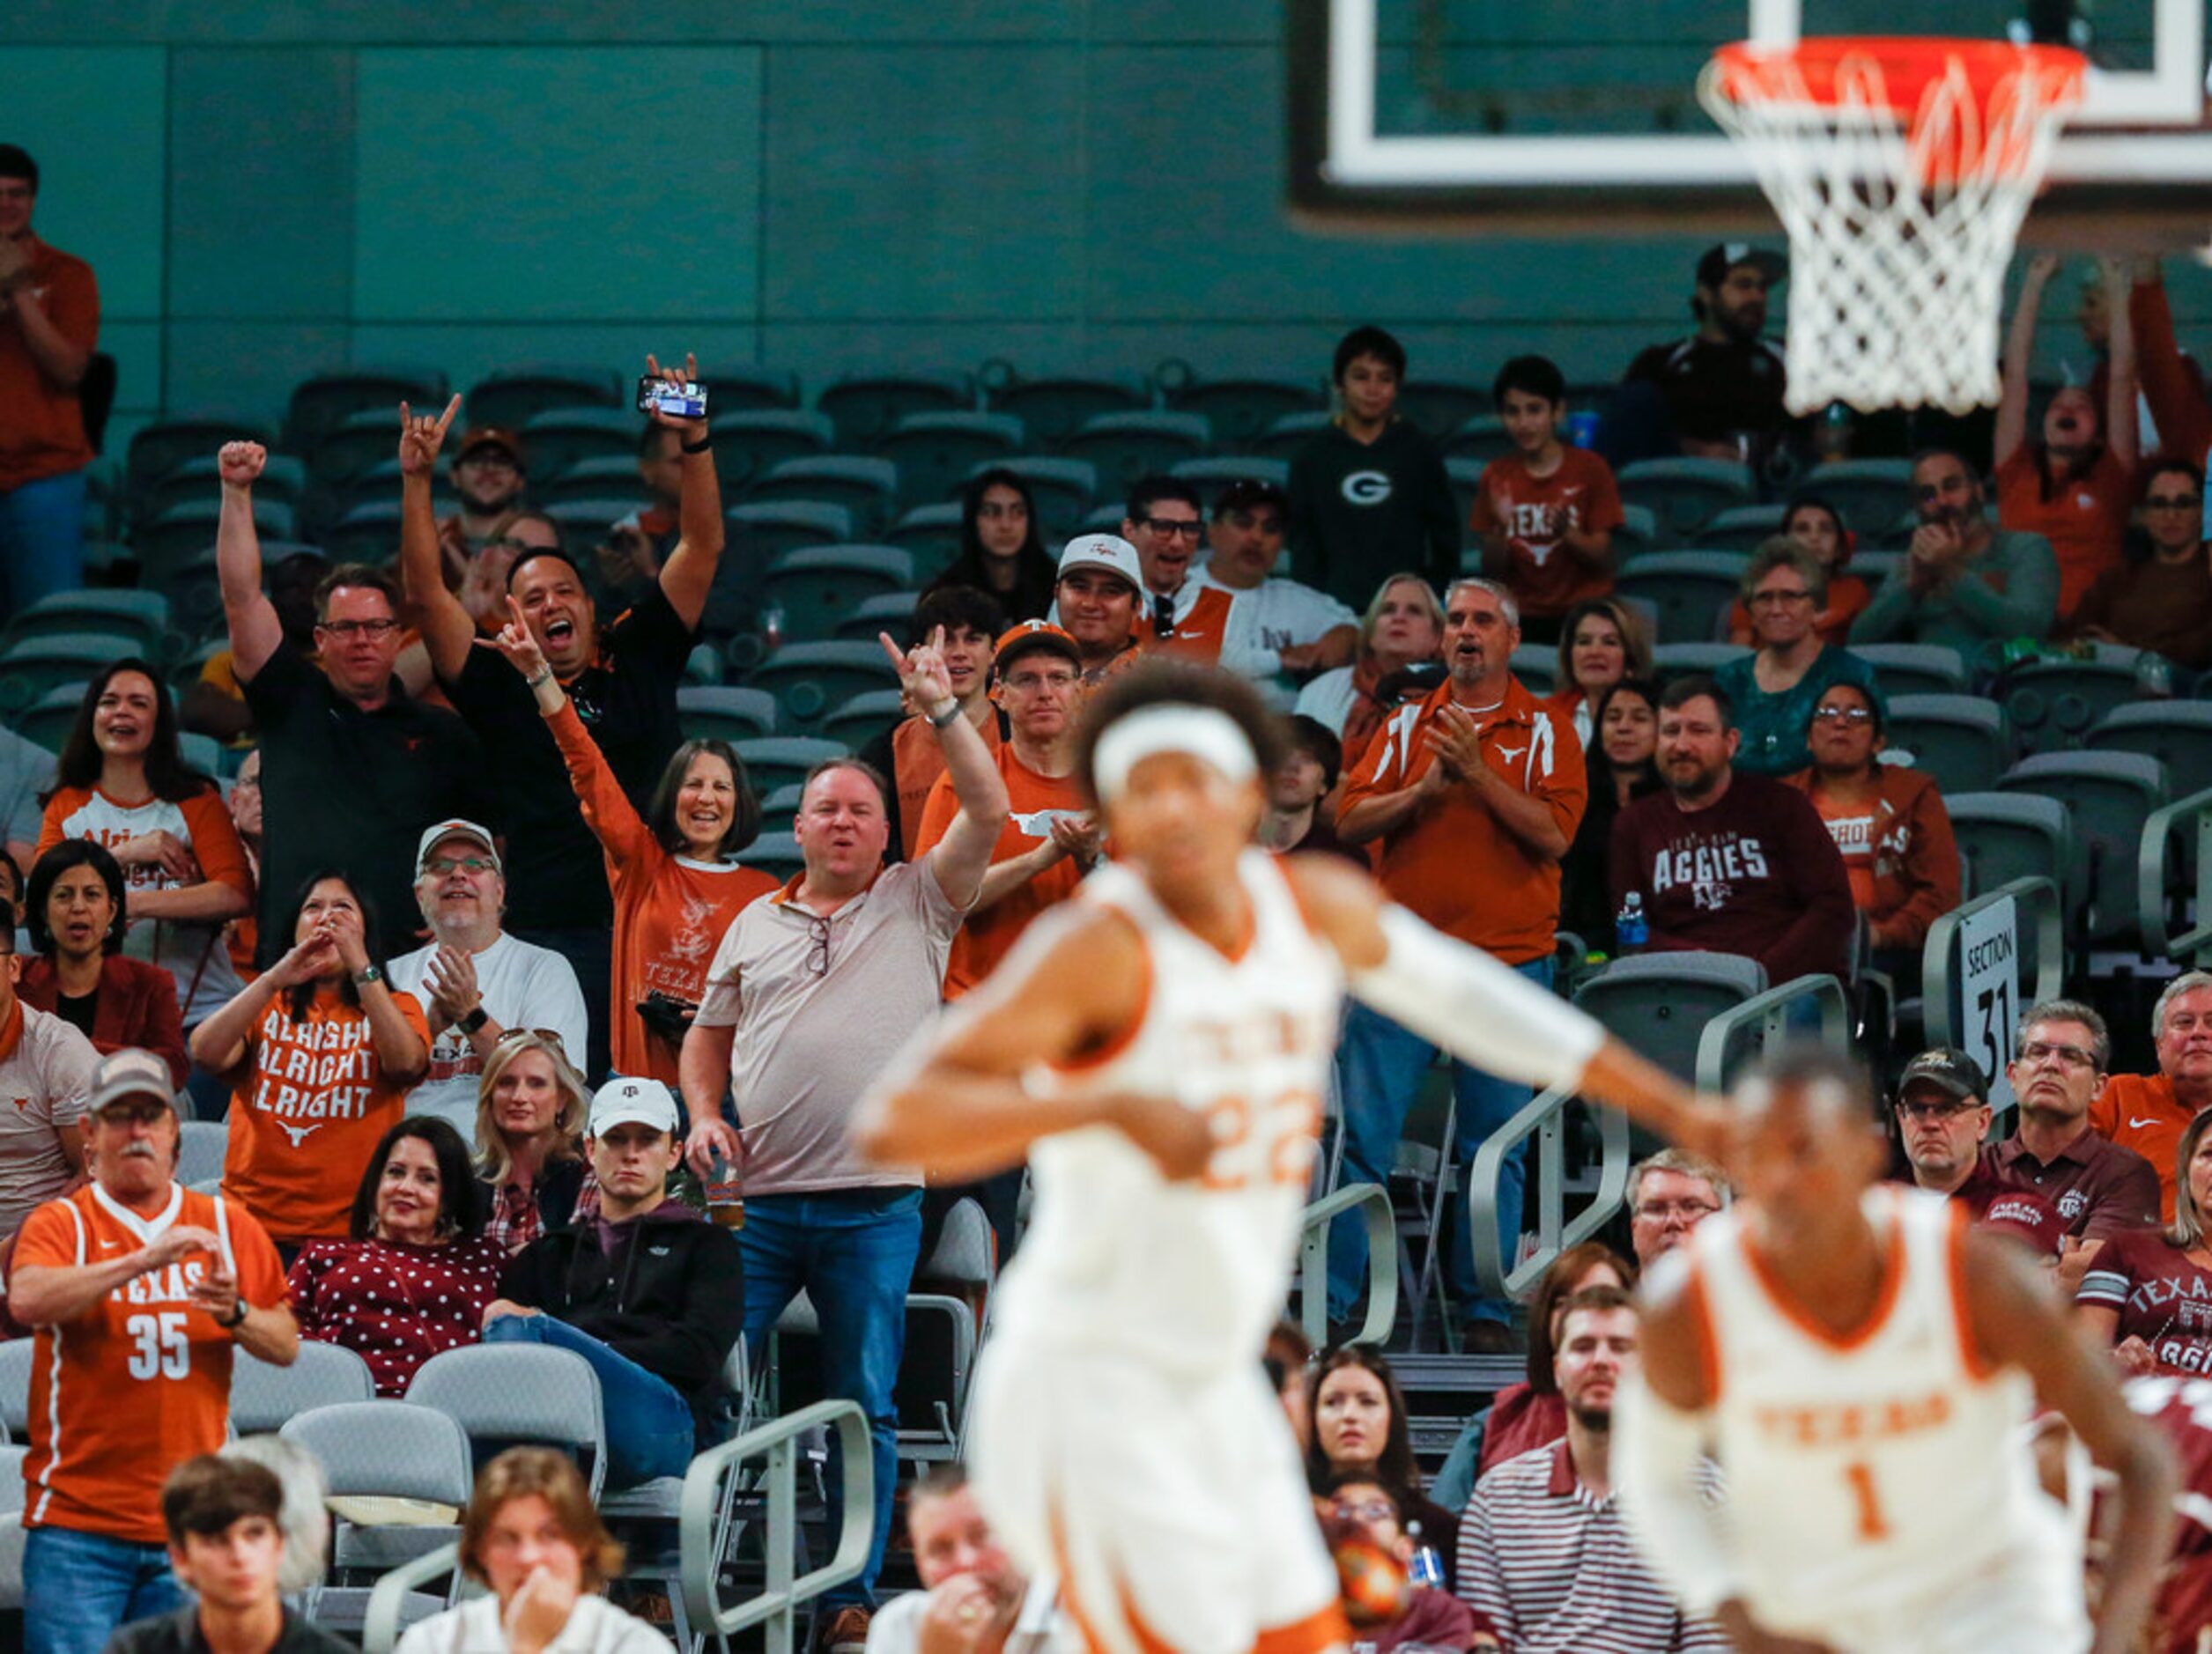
1366, 488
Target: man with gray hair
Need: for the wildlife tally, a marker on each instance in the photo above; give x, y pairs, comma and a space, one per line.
1473, 795
2100, 1188
2148, 1113
1669, 1193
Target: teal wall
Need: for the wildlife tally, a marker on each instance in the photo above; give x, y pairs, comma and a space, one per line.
270, 189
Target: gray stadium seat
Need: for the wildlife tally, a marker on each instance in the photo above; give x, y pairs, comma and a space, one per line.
321, 402
1674, 658
1741, 528
200, 1146
725, 712
936, 451
947, 1286
1062, 488
2007, 836
1281, 439
1690, 591
514, 396
2109, 796
559, 437
1958, 739
1685, 494
779, 760
37, 665
2177, 734
1054, 408
751, 445
817, 585
2054, 704
505, 1395
1871, 494
866, 407
808, 679
865, 486
386, 1450
1241, 411
15, 1388
858, 720
1535, 667
762, 533
887, 611
1914, 669
1481, 439
1441, 406
264, 1398
1658, 1003
1125, 446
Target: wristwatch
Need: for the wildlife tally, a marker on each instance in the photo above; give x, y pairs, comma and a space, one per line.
367, 975
946, 716
237, 1319
473, 1021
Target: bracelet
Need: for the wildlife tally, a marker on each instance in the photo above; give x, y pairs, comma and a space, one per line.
237, 1320
699, 446
944, 716
532, 683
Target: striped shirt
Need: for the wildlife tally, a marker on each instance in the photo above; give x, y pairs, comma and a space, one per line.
1550, 1566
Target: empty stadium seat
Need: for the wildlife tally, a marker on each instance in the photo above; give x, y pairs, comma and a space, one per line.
2007, 836
2108, 797
2177, 734
808, 679
512, 398
35, 665
751, 445
558, 438
48, 720
888, 611
1481, 439
200, 1147
725, 712
164, 540
143, 617
865, 486
1062, 489
385, 1450
1440, 407
1914, 669
594, 476
1674, 658
942, 1312
199, 476
1684, 495
777, 761
1282, 439
1638, 532
777, 854
321, 402
1870, 494
2055, 703
817, 585
1240, 411
1741, 528
1209, 476
937, 451
158, 447
505, 1395
866, 407
1535, 667
859, 720
744, 389
1961, 739
1054, 408
1688, 591
264, 1396
15, 1387
367, 533
1125, 446
586, 523
1658, 1003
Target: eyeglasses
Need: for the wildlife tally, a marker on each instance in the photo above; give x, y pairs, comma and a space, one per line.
1949, 1110
1688, 1211
1842, 715
2067, 1056
350, 629
2172, 502
817, 958
443, 865
1776, 600
1190, 527
1364, 1510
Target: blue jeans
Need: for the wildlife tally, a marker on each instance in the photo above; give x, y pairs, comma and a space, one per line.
1379, 1070
78, 1588
648, 1421
41, 540
854, 1250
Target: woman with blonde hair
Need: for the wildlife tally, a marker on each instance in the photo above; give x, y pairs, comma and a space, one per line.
531, 1106
2143, 1284
533, 1539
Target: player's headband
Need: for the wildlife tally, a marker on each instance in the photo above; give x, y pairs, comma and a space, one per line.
1212, 737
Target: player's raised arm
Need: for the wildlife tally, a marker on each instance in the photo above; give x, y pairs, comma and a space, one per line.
2017, 1321
1462, 998
982, 1090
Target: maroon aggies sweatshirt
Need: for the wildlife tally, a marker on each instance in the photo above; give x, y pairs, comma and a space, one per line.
1754, 873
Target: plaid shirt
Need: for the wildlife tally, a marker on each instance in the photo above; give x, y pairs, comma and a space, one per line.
516, 1221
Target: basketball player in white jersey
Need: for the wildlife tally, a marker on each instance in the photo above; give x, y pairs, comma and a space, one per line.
1158, 1047
1863, 1366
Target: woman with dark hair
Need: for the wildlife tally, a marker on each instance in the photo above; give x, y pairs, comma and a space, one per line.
1818, 527
1002, 553
1601, 640
1359, 1425
416, 1271
674, 872
531, 1168
1621, 766
123, 783
320, 1053
74, 907
1888, 819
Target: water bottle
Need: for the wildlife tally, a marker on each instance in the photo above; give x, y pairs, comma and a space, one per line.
1582, 428
1426, 1569
725, 1195
2154, 675
772, 626
1630, 929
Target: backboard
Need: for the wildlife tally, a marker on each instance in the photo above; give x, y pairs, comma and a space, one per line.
1580, 117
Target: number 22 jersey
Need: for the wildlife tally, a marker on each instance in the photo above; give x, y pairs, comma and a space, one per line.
140, 1382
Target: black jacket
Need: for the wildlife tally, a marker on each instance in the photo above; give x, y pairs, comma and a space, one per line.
179, 1633
671, 1298
1362, 511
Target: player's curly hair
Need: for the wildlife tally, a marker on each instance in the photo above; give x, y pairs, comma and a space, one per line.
1166, 682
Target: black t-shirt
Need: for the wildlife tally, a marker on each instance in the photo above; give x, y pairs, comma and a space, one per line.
1715, 390
345, 788
78, 1009
179, 1633
556, 872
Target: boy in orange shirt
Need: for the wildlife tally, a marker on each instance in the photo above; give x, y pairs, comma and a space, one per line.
1546, 512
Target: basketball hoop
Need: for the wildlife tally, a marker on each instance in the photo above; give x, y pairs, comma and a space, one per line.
1902, 170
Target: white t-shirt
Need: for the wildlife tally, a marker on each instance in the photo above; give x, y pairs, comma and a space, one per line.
595, 1627
897, 1627
1274, 616
1327, 700
523, 986
46, 1076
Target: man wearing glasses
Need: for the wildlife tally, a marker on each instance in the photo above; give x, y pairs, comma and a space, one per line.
2163, 602
1962, 581
476, 980
2101, 1188
354, 768
1669, 1193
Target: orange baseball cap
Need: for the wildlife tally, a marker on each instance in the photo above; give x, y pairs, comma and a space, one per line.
492, 437
1030, 635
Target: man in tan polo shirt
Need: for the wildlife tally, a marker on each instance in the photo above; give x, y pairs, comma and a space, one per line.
812, 992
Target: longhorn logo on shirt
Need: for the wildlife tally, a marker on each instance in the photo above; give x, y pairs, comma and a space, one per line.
21, 1104
1037, 824
298, 1133
1365, 488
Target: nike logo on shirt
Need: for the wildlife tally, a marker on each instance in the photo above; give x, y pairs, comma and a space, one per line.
2136, 1125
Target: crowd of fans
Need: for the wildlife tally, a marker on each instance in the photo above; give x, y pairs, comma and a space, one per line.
472, 964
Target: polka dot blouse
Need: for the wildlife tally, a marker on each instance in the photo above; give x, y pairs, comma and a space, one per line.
395, 1305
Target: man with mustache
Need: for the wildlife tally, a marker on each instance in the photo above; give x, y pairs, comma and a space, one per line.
1706, 395
1963, 581
141, 1290
2148, 1113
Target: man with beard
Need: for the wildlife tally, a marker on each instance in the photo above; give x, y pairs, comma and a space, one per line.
1726, 861
621, 677
488, 476
1544, 1557
1963, 581
1474, 795
1722, 383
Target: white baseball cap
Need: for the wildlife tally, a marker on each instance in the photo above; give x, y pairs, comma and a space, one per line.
631, 1101
433, 837
1107, 551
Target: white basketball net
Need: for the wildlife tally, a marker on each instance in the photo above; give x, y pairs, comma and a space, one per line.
1901, 223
